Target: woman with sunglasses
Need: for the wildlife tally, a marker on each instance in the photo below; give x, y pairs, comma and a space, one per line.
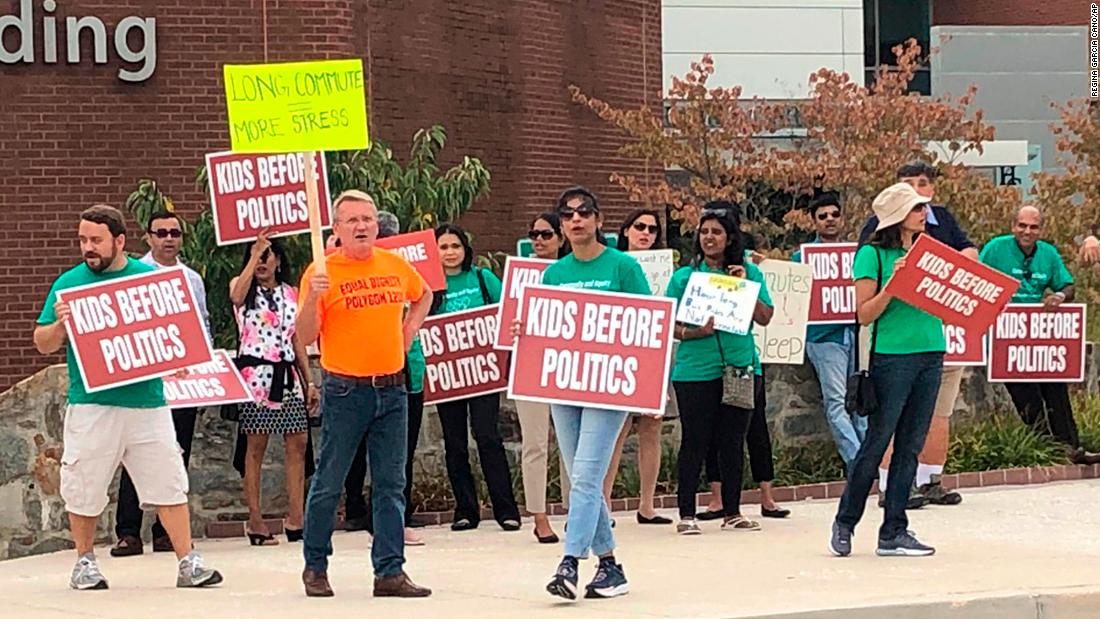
699, 369
906, 365
534, 417
470, 287
641, 231
587, 435
266, 305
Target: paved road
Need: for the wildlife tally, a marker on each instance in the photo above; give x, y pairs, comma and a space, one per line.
1001, 552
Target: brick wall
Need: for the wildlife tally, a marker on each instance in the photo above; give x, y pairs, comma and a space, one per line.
494, 73
1009, 13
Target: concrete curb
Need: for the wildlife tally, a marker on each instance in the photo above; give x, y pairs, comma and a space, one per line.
785, 494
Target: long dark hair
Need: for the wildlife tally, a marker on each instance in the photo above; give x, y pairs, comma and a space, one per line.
554, 222
624, 244
468, 251
282, 272
728, 215
887, 238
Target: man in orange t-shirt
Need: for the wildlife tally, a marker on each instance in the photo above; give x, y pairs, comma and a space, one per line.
358, 310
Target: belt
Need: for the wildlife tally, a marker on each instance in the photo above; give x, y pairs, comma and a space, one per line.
382, 380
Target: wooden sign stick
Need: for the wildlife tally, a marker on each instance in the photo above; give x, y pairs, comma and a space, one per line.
313, 203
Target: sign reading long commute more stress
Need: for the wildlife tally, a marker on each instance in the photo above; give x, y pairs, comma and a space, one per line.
461, 359
207, 384
250, 193
134, 328
297, 106
1031, 344
833, 296
421, 251
598, 349
947, 284
518, 274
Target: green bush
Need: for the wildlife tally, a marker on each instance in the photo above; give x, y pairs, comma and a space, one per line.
1001, 442
1086, 410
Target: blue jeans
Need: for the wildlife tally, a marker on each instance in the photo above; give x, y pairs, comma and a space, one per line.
350, 409
906, 387
834, 363
587, 438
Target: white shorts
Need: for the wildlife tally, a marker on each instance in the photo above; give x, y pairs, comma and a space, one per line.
98, 438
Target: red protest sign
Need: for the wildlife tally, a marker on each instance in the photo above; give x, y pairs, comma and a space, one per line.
518, 274
589, 348
207, 384
252, 192
964, 347
134, 328
947, 284
461, 360
1030, 344
833, 295
421, 251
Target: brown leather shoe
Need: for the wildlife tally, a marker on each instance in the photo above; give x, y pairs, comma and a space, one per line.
399, 586
127, 546
317, 584
162, 544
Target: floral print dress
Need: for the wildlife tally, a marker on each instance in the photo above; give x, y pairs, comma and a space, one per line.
267, 332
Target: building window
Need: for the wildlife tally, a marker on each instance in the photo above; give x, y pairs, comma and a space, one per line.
887, 23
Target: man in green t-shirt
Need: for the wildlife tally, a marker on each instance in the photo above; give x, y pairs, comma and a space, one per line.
1044, 279
127, 425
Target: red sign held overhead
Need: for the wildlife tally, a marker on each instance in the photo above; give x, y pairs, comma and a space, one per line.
964, 347
833, 295
588, 348
252, 192
421, 251
518, 274
461, 360
134, 328
959, 290
207, 384
1033, 345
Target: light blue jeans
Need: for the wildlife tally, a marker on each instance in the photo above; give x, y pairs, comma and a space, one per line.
834, 363
587, 438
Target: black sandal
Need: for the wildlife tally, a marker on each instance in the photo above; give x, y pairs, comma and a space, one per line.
293, 535
256, 539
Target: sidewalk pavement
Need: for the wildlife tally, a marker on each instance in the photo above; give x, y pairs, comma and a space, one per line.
1007, 553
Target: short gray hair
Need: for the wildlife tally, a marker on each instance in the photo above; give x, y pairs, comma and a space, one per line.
388, 224
350, 195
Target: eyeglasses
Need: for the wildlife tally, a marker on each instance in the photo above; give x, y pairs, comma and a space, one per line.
164, 233
545, 235
828, 215
640, 227
584, 211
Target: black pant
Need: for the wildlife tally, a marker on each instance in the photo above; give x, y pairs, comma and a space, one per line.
358, 507
705, 423
483, 413
759, 442
1046, 408
906, 387
128, 517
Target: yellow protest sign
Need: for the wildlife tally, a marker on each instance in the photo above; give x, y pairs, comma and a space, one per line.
296, 106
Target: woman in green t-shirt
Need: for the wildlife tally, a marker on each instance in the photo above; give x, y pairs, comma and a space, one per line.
697, 376
470, 287
907, 346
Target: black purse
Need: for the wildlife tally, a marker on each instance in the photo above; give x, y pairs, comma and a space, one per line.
860, 397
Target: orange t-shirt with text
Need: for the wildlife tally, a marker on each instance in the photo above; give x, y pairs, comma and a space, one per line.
362, 313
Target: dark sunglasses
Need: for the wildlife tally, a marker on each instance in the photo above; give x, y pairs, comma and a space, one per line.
163, 233
640, 227
545, 235
716, 212
828, 215
584, 211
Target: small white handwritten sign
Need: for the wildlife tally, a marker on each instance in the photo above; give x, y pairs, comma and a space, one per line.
658, 265
730, 300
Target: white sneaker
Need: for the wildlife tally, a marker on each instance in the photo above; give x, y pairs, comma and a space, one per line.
86, 575
192, 573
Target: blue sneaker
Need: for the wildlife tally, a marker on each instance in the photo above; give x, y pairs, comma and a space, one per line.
564, 583
840, 544
904, 544
610, 581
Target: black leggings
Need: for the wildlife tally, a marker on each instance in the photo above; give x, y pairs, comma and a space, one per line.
708, 424
759, 439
